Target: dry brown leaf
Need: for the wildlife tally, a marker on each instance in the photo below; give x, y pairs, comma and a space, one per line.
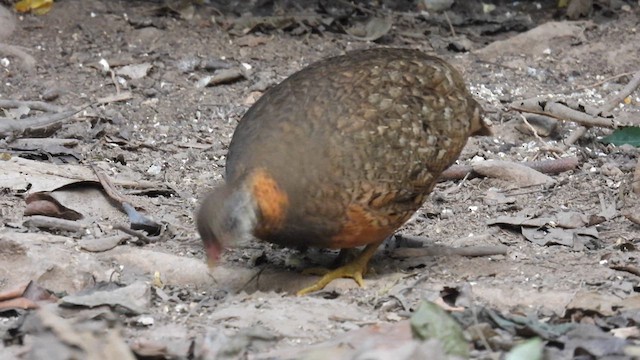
43, 203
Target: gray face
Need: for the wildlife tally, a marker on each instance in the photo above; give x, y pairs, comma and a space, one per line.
226, 218
239, 218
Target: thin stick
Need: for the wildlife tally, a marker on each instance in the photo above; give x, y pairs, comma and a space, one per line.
39, 143
457, 172
13, 128
533, 130
497, 64
574, 136
35, 105
587, 117
453, 31
47, 222
139, 234
564, 113
108, 187
115, 82
596, 84
628, 268
123, 96
615, 99
609, 105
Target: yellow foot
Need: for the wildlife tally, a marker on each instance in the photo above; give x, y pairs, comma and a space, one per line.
354, 269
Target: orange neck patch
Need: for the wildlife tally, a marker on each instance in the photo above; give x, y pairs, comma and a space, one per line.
272, 202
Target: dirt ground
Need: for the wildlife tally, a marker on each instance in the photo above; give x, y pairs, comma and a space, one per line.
158, 91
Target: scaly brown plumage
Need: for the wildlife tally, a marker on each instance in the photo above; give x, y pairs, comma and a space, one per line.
341, 154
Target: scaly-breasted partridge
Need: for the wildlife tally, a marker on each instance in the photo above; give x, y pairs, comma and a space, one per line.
341, 154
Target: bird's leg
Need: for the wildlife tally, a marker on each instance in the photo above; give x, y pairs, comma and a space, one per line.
354, 269
344, 256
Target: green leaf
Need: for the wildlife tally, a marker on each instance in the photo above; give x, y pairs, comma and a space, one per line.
430, 322
624, 135
528, 350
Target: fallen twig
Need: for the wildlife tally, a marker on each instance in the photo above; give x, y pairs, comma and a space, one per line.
453, 31
531, 128
574, 136
628, 268
42, 125
103, 243
34, 105
601, 82
561, 111
224, 76
138, 220
108, 187
616, 99
512, 68
51, 223
41, 143
608, 105
123, 96
581, 114
115, 82
457, 172
140, 235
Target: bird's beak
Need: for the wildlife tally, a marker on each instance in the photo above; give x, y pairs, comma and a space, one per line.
213, 254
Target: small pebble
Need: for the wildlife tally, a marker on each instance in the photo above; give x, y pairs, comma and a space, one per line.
145, 321
446, 213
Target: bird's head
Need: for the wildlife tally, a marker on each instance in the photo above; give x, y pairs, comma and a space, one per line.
226, 217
